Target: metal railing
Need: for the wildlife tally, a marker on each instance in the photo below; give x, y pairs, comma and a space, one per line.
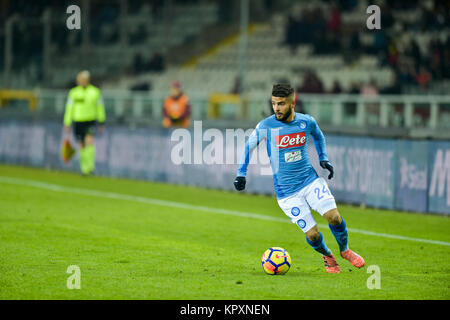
416, 115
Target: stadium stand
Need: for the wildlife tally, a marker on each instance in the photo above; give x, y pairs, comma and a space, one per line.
409, 55
401, 57
116, 42
321, 47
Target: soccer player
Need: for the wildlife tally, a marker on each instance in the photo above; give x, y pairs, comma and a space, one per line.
297, 185
85, 108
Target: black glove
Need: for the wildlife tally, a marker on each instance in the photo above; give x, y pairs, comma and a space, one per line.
327, 165
239, 183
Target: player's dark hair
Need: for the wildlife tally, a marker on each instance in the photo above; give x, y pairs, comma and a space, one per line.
282, 90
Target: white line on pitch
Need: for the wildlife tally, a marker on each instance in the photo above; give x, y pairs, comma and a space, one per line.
173, 204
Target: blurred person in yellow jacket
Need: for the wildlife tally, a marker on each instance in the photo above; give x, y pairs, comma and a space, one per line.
85, 108
176, 108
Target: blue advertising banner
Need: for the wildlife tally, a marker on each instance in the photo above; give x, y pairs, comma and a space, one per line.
22, 144
411, 177
386, 173
365, 170
439, 177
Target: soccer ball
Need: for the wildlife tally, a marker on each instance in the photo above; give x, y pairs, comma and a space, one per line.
275, 261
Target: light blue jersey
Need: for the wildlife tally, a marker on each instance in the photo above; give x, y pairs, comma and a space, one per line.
287, 148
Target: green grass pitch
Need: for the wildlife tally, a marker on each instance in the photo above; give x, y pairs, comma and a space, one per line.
130, 248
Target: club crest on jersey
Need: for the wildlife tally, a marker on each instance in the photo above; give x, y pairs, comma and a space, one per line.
290, 140
295, 211
302, 124
301, 223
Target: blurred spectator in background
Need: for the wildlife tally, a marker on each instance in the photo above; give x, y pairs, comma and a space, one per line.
423, 77
322, 25
319, 32
353, 48
380, 41
139, 35
225, 12
446, 58
348, 5
394, 87
334, 21
156, 63
299, 106
350, 107
311, 84
334, 25
336, 87
141, 86
412, 63
291, 34
237, 87
176, 108
406, 74
436, 58
427, 16
354, 88
369, 89
372, 108
142, 65
392, 55
387, 18
312, 20
138, 64
413, 51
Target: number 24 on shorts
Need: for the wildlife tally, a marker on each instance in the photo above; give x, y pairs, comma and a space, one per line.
319, 195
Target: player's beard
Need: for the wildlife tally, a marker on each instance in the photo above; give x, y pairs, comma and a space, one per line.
286, 115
